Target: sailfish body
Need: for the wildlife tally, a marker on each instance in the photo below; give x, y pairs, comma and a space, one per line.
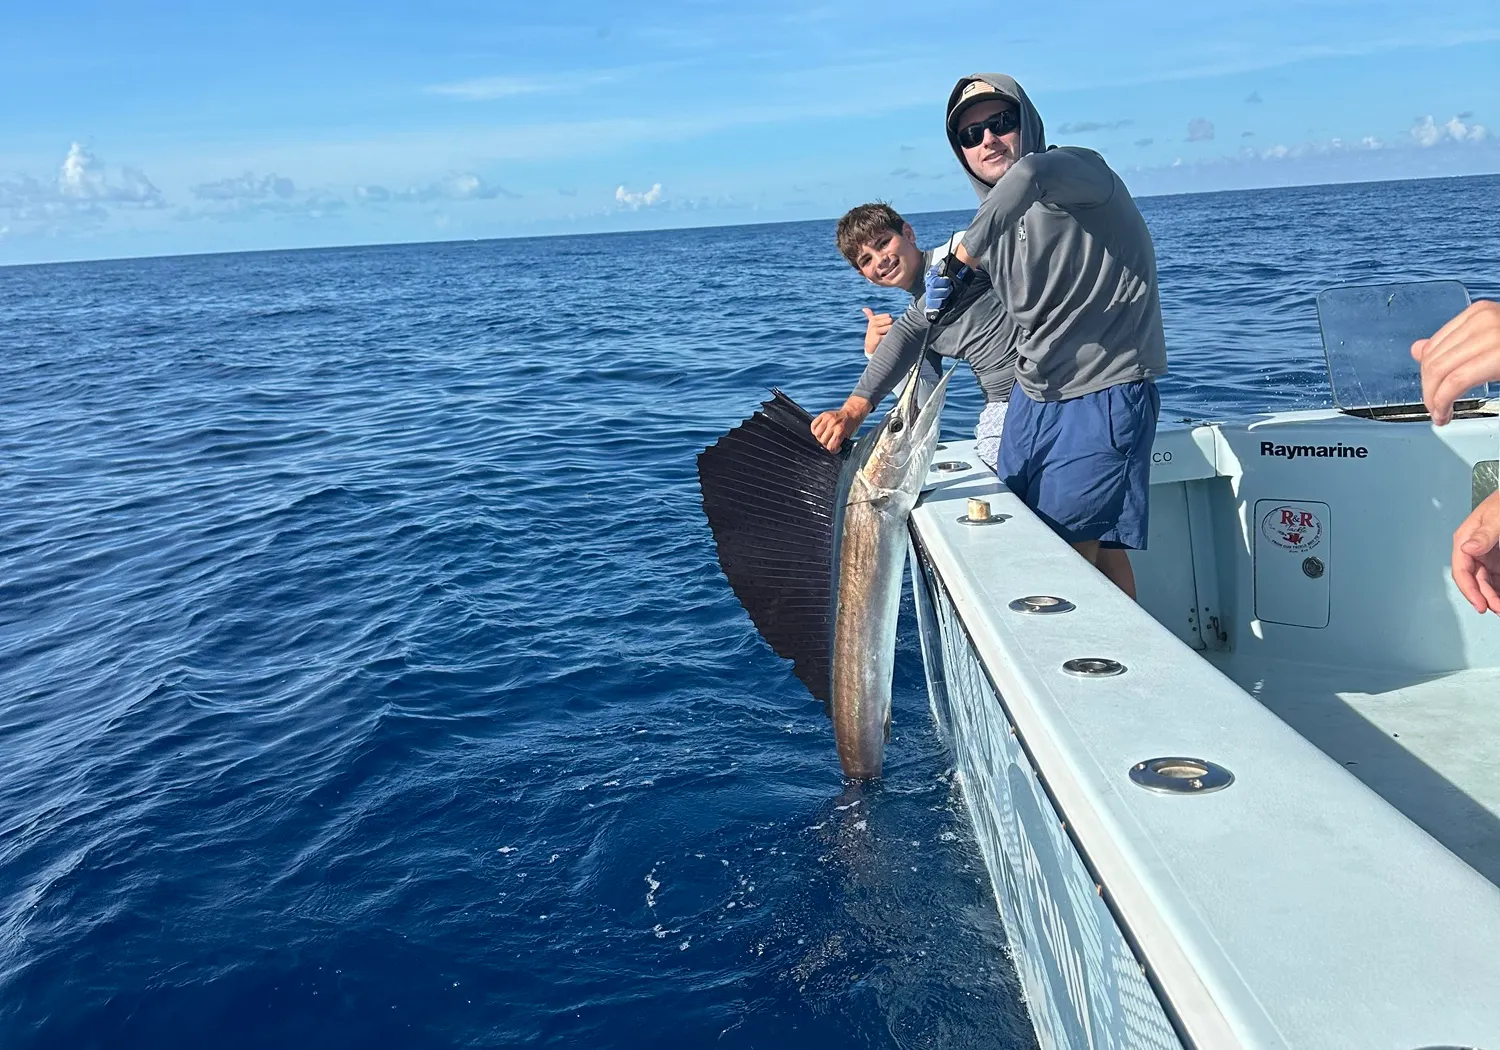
814, 545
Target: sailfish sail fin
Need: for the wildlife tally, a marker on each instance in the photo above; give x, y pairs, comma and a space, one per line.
769, 491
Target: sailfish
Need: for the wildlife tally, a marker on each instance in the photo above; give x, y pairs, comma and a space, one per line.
813, 544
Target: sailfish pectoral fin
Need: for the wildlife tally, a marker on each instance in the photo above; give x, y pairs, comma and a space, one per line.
769, 491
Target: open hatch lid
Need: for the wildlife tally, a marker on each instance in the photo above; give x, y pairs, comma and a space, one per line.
1367, 335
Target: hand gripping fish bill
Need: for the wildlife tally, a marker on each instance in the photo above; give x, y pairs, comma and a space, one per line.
814, 543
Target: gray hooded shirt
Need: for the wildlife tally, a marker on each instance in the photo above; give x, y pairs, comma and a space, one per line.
1071, 260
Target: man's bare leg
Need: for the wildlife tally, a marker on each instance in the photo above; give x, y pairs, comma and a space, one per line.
1113, 562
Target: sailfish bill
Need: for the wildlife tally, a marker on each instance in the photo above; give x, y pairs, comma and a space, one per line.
813, 544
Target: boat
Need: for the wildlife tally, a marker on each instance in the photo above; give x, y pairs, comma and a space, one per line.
1260, 807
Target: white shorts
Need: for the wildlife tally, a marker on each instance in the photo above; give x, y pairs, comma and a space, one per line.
987, 432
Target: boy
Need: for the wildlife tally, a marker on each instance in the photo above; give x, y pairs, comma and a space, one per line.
880, 244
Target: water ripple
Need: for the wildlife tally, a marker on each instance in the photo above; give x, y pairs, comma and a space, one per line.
367, 668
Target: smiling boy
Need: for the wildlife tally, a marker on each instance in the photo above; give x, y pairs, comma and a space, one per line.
880, 244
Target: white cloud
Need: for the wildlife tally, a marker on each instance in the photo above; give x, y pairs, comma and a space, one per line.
1459, 131
1426, 132
83, 178
1370, 142
484, 89
455, 186
81, 195
249, 195
1200, 129
315, 205
636, 201
1084, 126
246, 187
466, 186
481, 88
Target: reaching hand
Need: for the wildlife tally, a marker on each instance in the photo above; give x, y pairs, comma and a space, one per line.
939, 288
1461, 355
875, 328
833, 428
1476, 556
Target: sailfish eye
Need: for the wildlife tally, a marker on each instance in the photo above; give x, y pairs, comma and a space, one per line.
897, 426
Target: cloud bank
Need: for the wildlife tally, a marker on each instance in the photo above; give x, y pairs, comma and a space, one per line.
83, 178
246, 187
1083, 126
82, 194
455, 186
637, 201
1426, 132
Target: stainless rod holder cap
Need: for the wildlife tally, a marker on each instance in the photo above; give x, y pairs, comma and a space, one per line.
1180, 776
1093, 667
1041, 603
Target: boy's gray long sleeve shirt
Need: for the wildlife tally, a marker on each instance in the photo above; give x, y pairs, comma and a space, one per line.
1071, 259
979, 332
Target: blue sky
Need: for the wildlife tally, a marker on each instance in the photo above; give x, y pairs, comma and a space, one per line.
147, 128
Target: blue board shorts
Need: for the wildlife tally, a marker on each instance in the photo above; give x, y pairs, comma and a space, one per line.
1084, 465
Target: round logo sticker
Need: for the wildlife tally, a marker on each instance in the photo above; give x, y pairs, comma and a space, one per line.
1292, 528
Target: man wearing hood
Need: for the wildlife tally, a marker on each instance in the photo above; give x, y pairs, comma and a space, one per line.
1069, 256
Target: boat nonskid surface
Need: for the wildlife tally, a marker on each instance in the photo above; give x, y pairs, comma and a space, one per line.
1298, 876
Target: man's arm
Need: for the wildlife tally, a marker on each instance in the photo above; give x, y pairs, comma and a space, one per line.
1067, 177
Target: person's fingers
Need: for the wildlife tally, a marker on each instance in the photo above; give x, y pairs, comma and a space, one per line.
1438, 356
869, 314
1475, 331
829, 429
1419, 348
1457, 321
1489, 588
1465, 575
1478, 544
1462, 367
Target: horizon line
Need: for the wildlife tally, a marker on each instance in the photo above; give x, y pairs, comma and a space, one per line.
687, 229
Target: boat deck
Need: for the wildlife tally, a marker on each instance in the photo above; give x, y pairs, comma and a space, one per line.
1428, 745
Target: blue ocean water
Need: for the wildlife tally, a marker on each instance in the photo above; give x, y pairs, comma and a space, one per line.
367, 678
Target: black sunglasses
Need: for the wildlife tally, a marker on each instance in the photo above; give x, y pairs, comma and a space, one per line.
1002, 122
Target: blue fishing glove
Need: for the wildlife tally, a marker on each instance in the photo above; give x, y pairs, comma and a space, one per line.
940, 288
